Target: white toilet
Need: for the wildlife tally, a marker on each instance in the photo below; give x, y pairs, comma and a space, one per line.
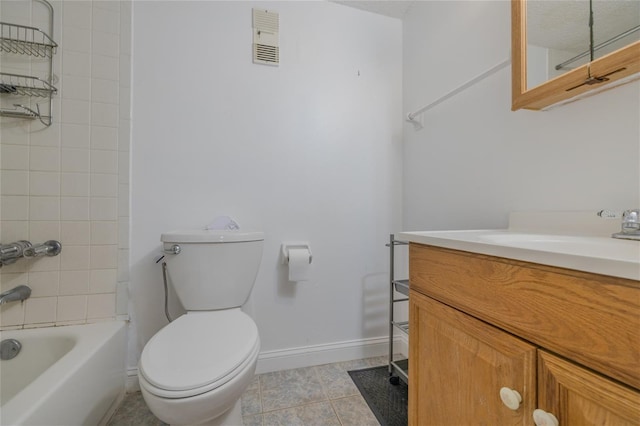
195, 369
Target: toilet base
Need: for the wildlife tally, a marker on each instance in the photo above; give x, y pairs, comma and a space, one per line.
232, 417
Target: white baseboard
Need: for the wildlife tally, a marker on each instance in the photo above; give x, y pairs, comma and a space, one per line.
308, 356
132, 384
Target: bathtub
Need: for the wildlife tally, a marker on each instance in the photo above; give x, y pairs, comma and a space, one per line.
73, 375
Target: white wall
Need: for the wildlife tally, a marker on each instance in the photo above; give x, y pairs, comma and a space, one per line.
310, 150
475, 160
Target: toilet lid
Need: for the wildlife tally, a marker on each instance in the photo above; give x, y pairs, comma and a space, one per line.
197, 349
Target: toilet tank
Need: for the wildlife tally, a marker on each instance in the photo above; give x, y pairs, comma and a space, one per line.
215, 269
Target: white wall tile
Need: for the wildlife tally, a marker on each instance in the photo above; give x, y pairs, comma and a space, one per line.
104, 209
104, 161
123, 265
104, 138
104, 233
41, 231
75, 136
123, 200
74, 184
45, 263
9, 280
40, 310
13, 207
106, 20
74, 208
16, 134
14, 182
75, 112
14, 157
123, 167
50, 136
72, 308
75, 233
12, 314
44, 159
74, 258
44, 183
101, 305
14, 230
104, 185
73, 283
104, 114
76, 63
122, 298
104, 257
44, 208
104, 91
77, 14
102, 281
54, 187
75, 87
75, 160
76, 39
44, 284
106, 67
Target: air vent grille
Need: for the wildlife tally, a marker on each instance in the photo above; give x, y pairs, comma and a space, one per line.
265, 53
266, 48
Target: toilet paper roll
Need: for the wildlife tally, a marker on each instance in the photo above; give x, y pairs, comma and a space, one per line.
299, 266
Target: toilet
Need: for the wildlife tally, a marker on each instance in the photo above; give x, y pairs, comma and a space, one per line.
194, 370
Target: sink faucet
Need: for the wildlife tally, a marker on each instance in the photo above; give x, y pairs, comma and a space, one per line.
19, 293
630, 225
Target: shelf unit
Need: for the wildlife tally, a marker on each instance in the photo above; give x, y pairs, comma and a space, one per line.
398, 369
18, 39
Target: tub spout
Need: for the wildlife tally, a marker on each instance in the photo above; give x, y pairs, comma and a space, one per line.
22, 292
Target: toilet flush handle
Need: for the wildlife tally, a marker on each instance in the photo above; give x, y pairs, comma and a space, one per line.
174, 249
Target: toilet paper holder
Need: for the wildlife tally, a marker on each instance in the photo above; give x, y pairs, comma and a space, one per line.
287, 246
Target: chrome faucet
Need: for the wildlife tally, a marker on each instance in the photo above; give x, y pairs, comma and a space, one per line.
9, 253
20, 293
630, 225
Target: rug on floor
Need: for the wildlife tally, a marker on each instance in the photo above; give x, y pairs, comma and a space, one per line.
387, 402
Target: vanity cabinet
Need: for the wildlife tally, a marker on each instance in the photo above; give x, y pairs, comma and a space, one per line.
567, 342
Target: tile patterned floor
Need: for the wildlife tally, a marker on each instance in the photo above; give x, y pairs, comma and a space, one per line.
323, 395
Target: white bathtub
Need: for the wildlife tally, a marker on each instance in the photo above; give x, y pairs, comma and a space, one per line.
71, 375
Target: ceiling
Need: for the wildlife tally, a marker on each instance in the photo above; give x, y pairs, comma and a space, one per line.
392, 8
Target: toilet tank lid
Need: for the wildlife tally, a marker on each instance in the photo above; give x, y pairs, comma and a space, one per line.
211, 236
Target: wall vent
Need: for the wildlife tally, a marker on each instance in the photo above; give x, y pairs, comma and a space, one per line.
266, 26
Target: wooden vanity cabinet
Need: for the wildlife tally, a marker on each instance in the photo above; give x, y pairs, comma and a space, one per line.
481, 323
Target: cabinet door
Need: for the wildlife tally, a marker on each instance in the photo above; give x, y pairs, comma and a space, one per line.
577, 396
458, 364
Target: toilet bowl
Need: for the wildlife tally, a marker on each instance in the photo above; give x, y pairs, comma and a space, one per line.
195, 370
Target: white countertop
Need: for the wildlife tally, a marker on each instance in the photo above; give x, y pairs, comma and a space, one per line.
600, 255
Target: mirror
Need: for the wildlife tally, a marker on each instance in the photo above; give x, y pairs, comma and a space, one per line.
552, 60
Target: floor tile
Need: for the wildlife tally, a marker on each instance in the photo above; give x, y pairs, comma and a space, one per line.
290, 388
316, 414
354, 411
134, 412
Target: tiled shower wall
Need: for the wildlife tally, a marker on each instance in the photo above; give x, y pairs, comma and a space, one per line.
70, 181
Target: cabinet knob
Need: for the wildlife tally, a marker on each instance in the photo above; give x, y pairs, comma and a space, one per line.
510, 398
542, 418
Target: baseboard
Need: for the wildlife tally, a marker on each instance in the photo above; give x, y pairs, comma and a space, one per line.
132, 384
308, 356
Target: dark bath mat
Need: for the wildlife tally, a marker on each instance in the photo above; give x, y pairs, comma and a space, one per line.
387, 402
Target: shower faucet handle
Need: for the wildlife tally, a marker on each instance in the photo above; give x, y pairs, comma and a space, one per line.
48, 248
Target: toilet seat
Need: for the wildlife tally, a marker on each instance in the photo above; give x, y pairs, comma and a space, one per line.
198, 352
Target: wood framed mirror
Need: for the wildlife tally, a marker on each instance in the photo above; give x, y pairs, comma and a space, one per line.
603, 72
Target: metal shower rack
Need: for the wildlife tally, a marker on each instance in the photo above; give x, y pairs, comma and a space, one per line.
30, 41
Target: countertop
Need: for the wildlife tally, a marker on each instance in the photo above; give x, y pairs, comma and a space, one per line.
595, 254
